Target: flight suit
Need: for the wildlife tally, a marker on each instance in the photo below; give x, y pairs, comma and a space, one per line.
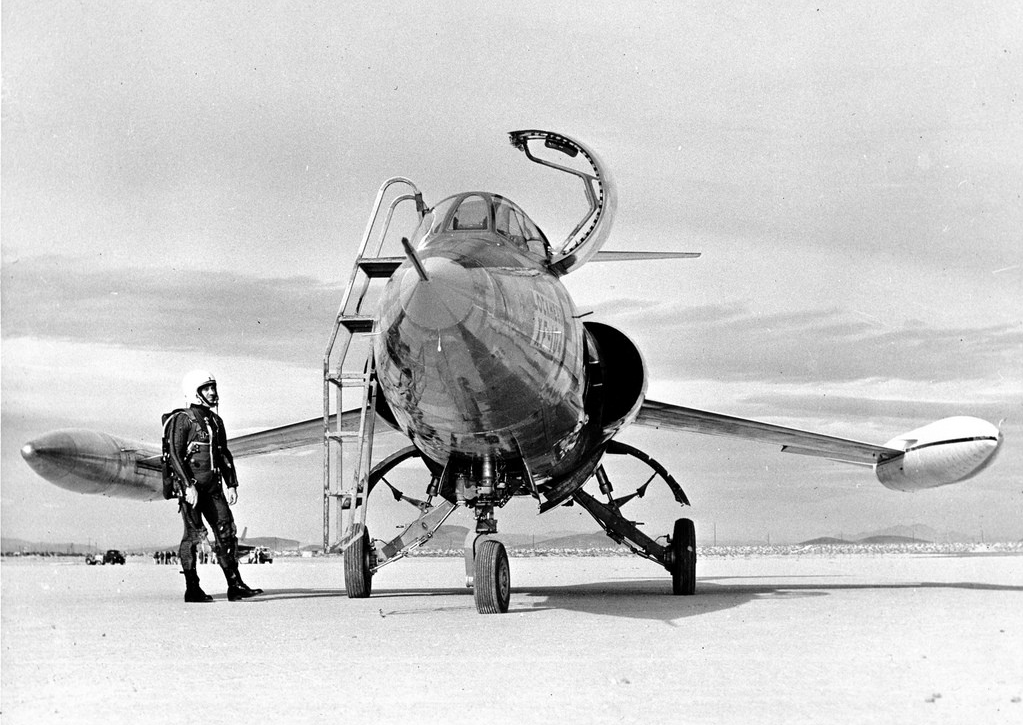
199, 449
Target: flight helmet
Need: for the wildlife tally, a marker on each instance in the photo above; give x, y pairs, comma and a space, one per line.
191, 384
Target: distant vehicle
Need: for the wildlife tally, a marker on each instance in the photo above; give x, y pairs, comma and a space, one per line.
92, 559
262, 555
113, 556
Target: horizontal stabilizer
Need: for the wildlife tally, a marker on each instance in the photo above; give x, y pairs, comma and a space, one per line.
614, 256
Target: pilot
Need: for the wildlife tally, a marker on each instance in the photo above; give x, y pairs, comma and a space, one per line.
200, 458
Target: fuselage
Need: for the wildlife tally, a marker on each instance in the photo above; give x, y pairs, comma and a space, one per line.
486, 356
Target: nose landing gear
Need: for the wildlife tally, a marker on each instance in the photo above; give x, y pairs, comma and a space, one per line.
491, 577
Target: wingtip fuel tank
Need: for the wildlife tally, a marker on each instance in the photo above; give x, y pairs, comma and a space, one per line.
947, 451
87, 461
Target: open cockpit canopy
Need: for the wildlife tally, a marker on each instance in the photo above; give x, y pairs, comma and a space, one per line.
482, 214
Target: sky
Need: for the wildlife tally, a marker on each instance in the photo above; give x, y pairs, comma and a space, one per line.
184, 185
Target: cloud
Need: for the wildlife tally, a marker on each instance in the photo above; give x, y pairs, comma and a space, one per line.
877, 407
731, 342
284, 319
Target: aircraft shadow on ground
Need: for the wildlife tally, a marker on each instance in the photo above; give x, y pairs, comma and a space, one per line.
270, 595
634, 599
649, 599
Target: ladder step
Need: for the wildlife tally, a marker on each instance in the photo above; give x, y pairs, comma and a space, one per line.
358, 323
346, 501
381, 267
348, 380
344, 436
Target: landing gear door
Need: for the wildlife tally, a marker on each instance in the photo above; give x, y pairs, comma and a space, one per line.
592, 231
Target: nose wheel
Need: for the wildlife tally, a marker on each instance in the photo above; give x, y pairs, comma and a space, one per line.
491, 577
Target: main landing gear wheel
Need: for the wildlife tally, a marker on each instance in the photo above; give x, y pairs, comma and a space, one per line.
358, 574
683, 558
492, 582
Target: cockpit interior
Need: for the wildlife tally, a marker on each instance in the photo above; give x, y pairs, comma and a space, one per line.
482, 212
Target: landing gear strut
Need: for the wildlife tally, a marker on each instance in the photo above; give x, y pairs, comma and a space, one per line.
486, 560
363, 555
678, 554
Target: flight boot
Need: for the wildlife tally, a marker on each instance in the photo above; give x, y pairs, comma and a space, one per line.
236, 588
193, 592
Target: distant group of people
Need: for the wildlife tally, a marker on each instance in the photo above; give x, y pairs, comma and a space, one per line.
202, 556
259, 556
165, 557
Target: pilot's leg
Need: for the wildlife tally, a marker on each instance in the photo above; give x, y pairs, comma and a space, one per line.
194, 534
218, 513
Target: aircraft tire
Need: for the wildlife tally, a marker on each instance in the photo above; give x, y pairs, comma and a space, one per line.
683, 558
358, 575
492, 585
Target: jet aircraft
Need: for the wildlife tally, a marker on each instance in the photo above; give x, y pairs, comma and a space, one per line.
484, 364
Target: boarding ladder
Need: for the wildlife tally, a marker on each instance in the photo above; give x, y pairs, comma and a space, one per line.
349, 376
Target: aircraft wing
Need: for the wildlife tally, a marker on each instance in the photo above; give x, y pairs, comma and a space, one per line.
674, 417
299, 435
287, 437
94, 462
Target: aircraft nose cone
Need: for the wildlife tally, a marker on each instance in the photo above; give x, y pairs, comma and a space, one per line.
442, 300
29, 452
50, 455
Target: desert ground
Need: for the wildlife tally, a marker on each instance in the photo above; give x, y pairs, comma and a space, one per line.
812, 638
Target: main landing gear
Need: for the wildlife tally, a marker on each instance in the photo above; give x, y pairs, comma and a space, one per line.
359, 567
682, 563
678, 555
363, 555
487, 487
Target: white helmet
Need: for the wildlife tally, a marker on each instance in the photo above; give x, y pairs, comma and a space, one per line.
191, 384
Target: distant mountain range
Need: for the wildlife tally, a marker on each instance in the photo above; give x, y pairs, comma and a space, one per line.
271, 542
831, 541
9, 545
917, 532
446, 538
453, 537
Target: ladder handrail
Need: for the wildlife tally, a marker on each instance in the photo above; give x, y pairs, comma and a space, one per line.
362, 251
380, 241
362, 464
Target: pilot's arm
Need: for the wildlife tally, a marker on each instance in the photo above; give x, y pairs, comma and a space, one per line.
227, 469
180, 427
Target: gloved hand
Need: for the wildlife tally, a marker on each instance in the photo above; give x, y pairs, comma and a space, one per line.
232, 496
191, 495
